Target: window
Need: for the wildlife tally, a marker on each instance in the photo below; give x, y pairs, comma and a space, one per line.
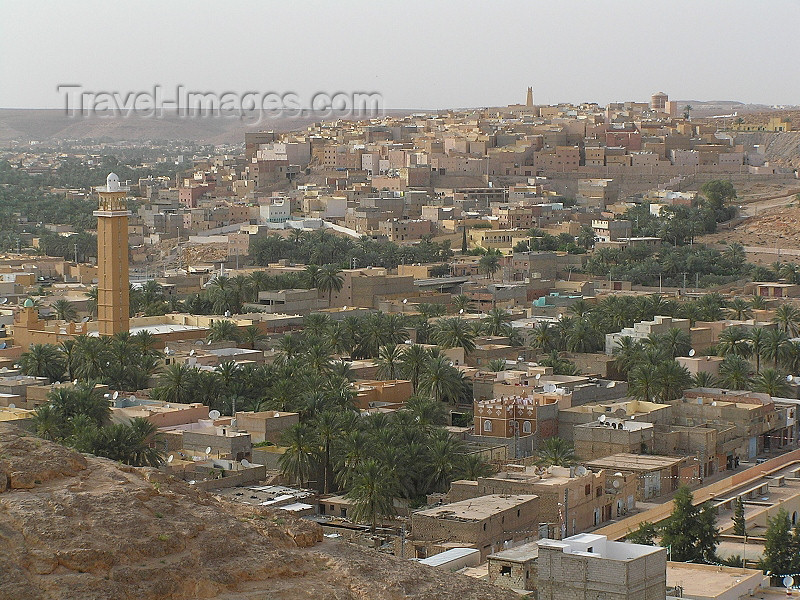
484, 526
588, 489
517, 513
599, 492
487, 425
526, 427
344, 512
504, 570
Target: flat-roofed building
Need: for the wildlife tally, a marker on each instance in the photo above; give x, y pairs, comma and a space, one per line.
656, 475
486, 523
587, 567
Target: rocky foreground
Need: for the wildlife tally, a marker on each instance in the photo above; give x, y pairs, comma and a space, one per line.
79, 528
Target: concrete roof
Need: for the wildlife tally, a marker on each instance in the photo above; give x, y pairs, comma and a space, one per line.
634, 462
476, 509
521, 553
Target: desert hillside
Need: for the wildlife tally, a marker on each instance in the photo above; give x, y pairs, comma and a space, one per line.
74, 527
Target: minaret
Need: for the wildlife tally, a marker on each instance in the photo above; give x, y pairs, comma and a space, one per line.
529, 97
112, 257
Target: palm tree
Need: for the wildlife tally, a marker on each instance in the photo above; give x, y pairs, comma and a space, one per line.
443, 459
776, 344
758, 303
739, 309
627, 353
174, 384
758, 340
65, 310
642, 382
454, 332
556, 452
252, 335
734, 341
676, 342
316, 325
145, 451
495, 321
671, 380
43, 360
91, 305
92, 357
704, 379
328, 428
583, 337
389, 361
311, 275
373, 492
461, 303
441, 380
788, 319
489, 263
300, 457
472, 466
541, 336
427, 413
790, 272
330, 280
413, 362
772, 382
735, 372
496, 365
223, 330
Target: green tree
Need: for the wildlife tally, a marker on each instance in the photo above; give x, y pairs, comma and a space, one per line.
645, 534
772, 382
690, 532
372, 493
43, 360
779, 553
454, 332
65, 310
390, 359
739, 309
739, 524
223, 330
556, 452
735, 372
489, 263
251, 336
413, 363
441, 380
300, 457
329, 280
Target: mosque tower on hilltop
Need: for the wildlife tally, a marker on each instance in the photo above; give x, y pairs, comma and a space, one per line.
113, 298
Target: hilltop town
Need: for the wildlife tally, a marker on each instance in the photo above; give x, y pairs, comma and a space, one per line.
552, 348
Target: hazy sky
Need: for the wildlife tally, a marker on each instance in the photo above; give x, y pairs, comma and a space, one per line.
417, 54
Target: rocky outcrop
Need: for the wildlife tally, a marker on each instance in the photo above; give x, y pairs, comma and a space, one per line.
82, 527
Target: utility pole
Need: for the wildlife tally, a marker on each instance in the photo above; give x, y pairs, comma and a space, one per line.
76, 252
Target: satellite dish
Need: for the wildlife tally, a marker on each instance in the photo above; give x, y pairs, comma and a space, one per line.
3, 300
214, 414
549, 388
3, 346
405, 301
692, 352
602, 418
788, 581
171, 458
198, 343
227, 313
461, 311
245, 463
344, 307
12, 405
74, 382
85, 319
133, 398
580, 471
789, 378
166, 350
615, 483
538, 376
115, 395
208, 450
191, 352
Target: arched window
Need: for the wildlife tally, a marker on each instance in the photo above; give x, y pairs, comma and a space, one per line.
487, 425
526, 427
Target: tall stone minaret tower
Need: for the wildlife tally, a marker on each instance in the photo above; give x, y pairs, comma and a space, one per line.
113, 300
529, 97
